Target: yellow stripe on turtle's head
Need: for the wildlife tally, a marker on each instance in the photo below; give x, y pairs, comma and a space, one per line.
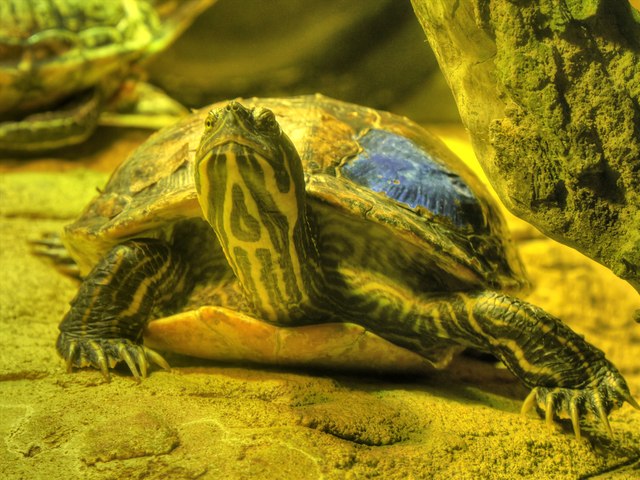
250, 186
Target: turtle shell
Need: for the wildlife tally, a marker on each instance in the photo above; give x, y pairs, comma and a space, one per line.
50, 50
431, 221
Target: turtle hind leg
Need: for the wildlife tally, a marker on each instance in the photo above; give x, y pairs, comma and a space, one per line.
116, 300
50, 246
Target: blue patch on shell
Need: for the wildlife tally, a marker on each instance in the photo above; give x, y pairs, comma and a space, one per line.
394, 165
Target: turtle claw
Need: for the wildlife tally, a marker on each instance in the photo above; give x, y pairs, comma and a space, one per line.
128, 359
602, 416
105, 354
99, 359
575, 420
631, 401
156, 358
596, 400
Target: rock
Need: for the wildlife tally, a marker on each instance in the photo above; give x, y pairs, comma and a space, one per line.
361, 418
136, 435
549, 92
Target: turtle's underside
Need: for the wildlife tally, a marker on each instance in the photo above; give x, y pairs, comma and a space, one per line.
313, 218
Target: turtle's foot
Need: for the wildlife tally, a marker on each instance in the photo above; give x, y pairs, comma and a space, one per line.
596, 400
104, 354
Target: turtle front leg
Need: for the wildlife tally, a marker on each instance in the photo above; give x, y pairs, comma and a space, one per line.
116, 300
568, 376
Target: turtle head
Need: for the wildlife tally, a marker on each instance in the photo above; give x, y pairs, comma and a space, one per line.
252, 151
251, 189
254, 130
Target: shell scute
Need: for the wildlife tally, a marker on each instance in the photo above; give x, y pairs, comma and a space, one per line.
394, 165
53, 49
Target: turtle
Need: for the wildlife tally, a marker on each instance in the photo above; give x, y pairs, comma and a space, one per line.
62, 62
314, 218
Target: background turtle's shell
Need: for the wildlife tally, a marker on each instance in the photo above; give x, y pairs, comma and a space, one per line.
52, 49
417, 190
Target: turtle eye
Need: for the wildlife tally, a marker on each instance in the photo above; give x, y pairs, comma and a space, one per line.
267, 120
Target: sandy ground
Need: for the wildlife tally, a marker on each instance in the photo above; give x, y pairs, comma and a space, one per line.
208, 421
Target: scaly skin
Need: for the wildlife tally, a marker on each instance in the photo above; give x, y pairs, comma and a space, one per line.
114, 303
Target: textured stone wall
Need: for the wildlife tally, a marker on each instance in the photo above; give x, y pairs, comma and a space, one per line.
549, 92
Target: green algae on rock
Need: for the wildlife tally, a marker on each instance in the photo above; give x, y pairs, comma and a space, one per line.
549, 92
